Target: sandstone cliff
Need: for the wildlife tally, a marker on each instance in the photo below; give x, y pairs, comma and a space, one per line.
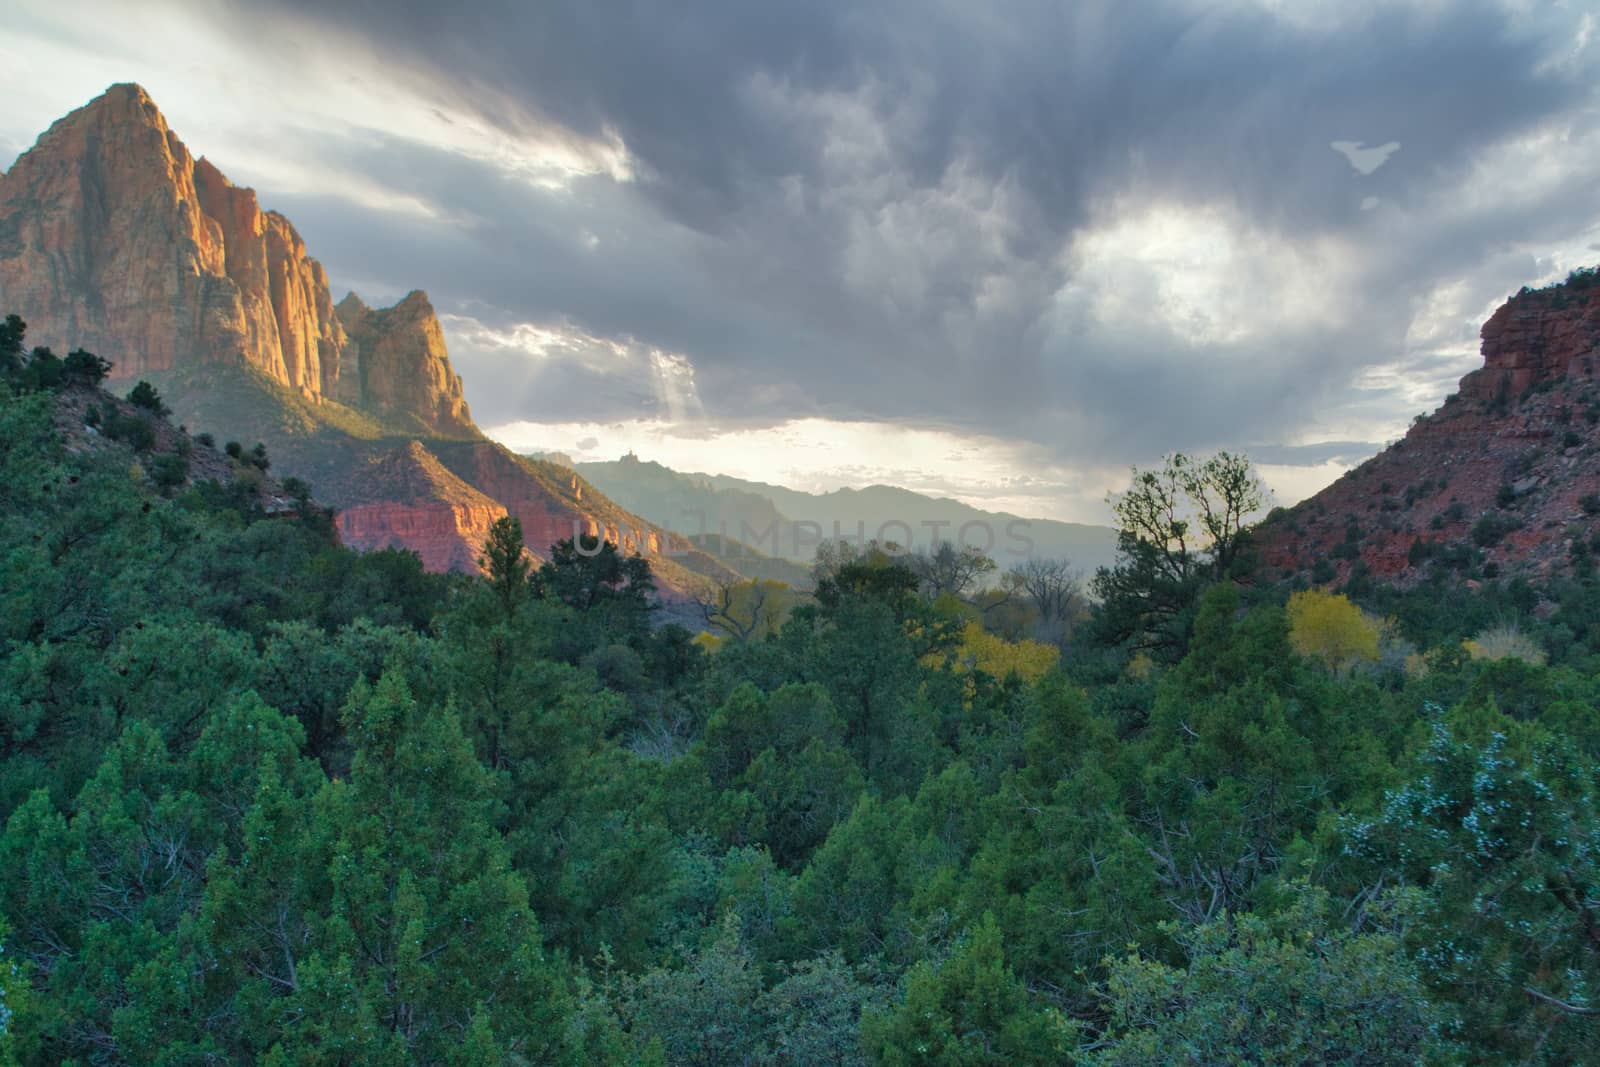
404, 498
115, 239
402, 367
1503, 479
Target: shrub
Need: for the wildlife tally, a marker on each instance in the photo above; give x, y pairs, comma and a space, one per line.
1505, 497
206, 439
1590, 503
85, 367
144, 396
1491, 530
1505, 642
169, 472
132, 430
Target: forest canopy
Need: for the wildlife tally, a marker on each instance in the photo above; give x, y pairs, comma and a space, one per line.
268, 800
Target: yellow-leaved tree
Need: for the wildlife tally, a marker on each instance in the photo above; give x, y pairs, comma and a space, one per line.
983, 651
1328, 627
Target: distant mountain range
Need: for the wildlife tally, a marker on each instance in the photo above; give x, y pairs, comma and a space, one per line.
788, 523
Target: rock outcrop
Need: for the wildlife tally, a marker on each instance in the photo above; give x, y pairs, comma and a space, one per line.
1503, 479
404, 498
401, 365
115, 239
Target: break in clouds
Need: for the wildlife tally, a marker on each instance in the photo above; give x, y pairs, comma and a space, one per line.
1095, 232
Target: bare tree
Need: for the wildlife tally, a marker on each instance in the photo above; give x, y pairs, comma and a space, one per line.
1055, 589
949, 568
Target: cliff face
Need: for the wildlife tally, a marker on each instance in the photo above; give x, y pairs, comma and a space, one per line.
402, 367
1502, 479
115, 239
404, 498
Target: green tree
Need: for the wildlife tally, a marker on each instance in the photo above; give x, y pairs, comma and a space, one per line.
969, 1011
13, 331
425, 946
506, 563
1178, 530
1497, 822
85, 368
144, 396
1295, 988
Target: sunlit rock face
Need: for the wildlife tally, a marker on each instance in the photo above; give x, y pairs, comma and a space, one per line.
115, 239
400, 365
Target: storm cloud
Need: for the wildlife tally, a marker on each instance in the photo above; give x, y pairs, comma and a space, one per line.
1105, 231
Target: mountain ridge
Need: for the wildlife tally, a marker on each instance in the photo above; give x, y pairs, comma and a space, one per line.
679, 500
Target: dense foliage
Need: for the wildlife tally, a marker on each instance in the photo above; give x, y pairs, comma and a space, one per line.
266, 800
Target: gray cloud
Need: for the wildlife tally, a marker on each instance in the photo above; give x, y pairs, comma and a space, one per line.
877, 212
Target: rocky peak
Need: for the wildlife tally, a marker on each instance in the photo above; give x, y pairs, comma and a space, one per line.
114, 238
404, 368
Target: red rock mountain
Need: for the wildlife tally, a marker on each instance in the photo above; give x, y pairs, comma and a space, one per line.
115, 239
1503, 478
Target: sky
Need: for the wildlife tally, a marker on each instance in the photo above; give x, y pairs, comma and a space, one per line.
994, 250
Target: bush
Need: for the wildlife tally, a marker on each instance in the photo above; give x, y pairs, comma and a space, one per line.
45, 370
1328, 627
1505, 642
205, 439
132, 430
144, 396
1505, 497
169, 472
1590, 503
85, 367
1491, 530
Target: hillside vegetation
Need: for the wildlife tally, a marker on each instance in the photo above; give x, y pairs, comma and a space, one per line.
268, 800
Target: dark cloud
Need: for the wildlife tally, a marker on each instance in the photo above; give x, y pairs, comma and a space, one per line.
869, 211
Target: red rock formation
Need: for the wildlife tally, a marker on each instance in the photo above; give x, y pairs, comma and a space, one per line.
404, 498
1538, 337
113, 238
1500, 470
404, 369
